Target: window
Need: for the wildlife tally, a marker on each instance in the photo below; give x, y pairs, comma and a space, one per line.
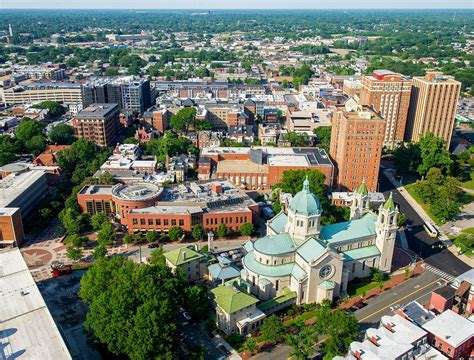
150, 221
142, 221
181, 222
157, 221
165, 222
326, 272
135, 221
173, 222
277, 284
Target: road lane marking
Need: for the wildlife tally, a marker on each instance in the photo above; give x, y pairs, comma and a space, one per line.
399, 300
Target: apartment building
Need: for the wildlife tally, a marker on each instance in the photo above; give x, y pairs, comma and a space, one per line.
433, 102
357, 137
98, 123
389, 93
127, 91
52, 72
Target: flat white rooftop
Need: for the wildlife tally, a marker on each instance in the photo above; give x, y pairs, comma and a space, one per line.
14, 185
27, 328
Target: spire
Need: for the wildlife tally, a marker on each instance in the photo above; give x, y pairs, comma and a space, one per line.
362, 189
306, 185
389, 204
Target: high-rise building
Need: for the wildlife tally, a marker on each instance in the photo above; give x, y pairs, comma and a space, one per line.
389, 93
432, 106
357, 136
98, 123
130, 93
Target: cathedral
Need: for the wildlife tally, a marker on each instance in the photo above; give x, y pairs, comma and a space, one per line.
312, 262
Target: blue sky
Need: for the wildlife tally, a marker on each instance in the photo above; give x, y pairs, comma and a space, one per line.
234, 4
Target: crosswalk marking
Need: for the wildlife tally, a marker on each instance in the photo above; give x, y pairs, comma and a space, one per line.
440, 273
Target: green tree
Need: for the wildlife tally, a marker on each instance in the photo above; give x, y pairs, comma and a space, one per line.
132, 308
448, 200
128, 239
71, 221
324, 137
183, 119
292, 182
62, 134
74, 253
302, 344
76, 240
36, 144
8, 148
339, 327
246, 229
157, 257
175, 233
433, 154
221, 231
151, 236
198, 232
407, 158
55, 109
106, 235
100, 252
197, 302
296, 139
276, 207
273, 330
98, 219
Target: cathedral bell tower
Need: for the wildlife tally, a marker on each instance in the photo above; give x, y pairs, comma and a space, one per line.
386, 231
360, 204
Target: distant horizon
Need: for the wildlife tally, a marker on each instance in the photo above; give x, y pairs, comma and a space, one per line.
237, 8
242, 5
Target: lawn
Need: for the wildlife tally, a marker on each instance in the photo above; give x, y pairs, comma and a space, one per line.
465, 241
362, 286
469, 184
411, 190
469, 231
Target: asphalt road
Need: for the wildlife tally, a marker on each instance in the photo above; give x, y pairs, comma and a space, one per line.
418, 288
419, 241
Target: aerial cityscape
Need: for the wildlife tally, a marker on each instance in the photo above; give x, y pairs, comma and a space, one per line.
221, 182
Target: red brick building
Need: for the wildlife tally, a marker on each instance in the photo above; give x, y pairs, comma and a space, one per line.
146, 207
451, 334
261, 167
389, 93
356, 146
98, 123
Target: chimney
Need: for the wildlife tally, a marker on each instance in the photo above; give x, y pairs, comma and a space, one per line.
184, 255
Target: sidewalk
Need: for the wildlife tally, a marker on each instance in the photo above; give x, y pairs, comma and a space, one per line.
426, 218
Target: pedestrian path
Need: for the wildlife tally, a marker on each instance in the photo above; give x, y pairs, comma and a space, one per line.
440, 273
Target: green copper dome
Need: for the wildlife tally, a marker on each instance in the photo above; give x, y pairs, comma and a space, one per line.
389, 204
362, 189
305, 202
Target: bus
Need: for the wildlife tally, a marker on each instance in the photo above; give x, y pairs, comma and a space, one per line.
431, 229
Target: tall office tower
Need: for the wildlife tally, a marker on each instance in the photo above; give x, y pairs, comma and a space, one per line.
389, 93
357, 137
130, 93
98, 123
434, 98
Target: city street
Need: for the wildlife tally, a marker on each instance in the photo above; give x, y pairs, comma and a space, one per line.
418, 240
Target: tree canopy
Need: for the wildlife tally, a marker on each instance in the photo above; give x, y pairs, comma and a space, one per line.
62, 134
132, 307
